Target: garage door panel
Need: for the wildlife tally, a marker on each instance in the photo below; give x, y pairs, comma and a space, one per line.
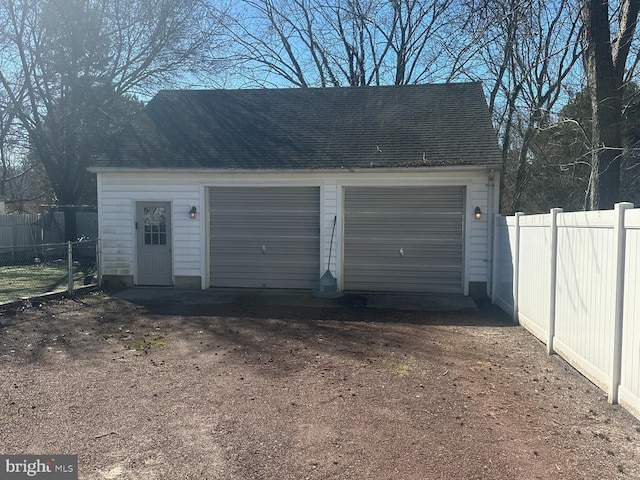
280, 229
269, 226
408, 223
261, 281
265, 279
272, 244
268, 205
406, 219
232, 250
247, 263
272, 267
415, 270
397, 227
410, 278
443, 286
265, 237
392, 267
439, 201
404, 239
394, 243
281, 220
451, 272
408, 255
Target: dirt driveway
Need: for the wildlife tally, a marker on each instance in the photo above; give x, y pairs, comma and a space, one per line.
165, 390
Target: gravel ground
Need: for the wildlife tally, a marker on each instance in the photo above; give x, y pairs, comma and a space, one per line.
164, 389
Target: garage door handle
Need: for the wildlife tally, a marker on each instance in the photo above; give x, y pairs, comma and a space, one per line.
264, 249
402, 252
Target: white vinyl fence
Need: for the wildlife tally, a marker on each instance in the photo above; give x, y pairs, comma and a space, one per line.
573, 281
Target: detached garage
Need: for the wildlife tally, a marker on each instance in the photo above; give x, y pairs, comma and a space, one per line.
269, 188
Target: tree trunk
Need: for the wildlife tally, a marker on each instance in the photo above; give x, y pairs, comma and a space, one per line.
70, 224
604, 64
606, 106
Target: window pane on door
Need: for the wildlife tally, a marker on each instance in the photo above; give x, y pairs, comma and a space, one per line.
155, 226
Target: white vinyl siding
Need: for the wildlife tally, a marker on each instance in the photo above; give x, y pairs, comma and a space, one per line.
118, 195
118, 192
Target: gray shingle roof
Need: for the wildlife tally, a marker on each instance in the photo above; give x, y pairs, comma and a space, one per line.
353, 127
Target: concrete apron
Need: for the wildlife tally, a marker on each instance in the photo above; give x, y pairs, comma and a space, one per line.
301, 298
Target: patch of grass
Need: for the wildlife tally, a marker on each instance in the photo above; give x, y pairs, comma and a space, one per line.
24, 281
403, 369
147, 342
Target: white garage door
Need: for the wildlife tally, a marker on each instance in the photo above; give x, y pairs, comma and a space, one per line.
404, 239
265, 237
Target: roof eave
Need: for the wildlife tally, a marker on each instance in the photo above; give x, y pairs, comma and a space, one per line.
459, 168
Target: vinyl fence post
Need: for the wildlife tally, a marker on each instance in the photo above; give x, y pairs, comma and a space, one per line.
551, 330
620, 238
70, 268
496, 257
516, 269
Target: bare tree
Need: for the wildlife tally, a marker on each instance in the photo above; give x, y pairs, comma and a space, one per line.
7, 130
69, 64
542, 63
342, 42
528, 50
605, 62
15, 168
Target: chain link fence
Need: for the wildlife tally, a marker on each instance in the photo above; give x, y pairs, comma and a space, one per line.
37, 270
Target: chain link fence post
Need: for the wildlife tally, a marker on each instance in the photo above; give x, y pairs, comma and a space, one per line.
70, 268
99, 263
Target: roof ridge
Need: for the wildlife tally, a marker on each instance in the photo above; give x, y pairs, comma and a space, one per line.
325, 88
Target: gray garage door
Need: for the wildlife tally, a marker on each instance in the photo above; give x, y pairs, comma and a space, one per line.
266, 237
403, 239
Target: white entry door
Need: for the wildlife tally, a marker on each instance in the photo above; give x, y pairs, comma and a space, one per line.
153, 227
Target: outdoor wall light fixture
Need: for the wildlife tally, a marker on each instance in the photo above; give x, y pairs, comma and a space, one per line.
477, 213
193, 212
